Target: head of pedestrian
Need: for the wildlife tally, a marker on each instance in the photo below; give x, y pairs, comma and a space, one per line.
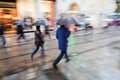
62, 26
38, 28
66, 26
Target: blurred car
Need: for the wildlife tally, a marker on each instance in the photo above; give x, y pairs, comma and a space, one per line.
113, 19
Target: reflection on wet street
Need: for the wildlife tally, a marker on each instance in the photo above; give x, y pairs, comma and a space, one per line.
93, 57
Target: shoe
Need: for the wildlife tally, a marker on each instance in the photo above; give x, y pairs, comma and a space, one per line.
67, 60
55, 66
4, 46
32, 57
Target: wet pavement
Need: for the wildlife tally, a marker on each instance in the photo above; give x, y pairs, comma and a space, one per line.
93, 57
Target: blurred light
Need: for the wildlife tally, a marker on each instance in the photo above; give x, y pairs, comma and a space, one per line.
75, 54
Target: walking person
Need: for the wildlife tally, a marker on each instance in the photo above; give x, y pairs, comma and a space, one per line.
88, 28
19, 28
39, 42
118, 25
62, 35
2, 35
47, 33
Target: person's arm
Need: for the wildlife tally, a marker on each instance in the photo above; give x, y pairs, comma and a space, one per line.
67, 33
57, 34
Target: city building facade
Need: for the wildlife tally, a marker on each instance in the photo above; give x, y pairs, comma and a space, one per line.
55, 9
96, 9
23, 9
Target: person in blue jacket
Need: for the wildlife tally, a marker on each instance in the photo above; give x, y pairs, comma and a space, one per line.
62, 35
2, 35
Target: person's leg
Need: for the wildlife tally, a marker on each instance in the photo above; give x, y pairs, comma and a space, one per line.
34, 52
22, 35
3, 40
49, 36
19, 32
58, 59
42, 51
66, 56
91, 30
19, 37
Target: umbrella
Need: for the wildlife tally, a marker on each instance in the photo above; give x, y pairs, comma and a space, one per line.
68, 20
19, 22
38, 23
47, 23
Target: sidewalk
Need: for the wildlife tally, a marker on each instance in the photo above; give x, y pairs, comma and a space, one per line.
94, 57
99, 64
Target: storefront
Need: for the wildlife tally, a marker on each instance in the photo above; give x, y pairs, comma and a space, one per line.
29, 10
36, 9
8, 14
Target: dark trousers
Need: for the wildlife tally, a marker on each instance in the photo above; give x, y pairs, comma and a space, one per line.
20, 32
21, 36
63, 53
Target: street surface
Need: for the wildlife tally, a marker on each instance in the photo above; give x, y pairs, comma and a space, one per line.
93, 57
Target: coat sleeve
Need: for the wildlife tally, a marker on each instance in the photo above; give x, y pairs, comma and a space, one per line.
67, 34
57, 34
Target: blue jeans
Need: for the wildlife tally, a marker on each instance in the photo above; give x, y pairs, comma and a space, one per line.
36, 49
63, 53
3, 40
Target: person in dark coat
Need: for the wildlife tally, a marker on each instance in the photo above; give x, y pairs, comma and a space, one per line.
2, 35
39, 42
89, 27
19, 28
62, 35
47, 33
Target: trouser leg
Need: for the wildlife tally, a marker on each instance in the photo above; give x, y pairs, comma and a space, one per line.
22, 35
66, 55
35, 51
59, 57
19, 37
42, 50
3, 40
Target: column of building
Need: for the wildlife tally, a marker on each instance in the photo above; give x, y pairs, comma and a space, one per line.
37, 8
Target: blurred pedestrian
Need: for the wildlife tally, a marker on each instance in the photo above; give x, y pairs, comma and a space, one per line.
105, 26
62, 35
2, 35
118, 25
89, 28
47, 33
39, 42
19, 28
39, 23
28, 22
